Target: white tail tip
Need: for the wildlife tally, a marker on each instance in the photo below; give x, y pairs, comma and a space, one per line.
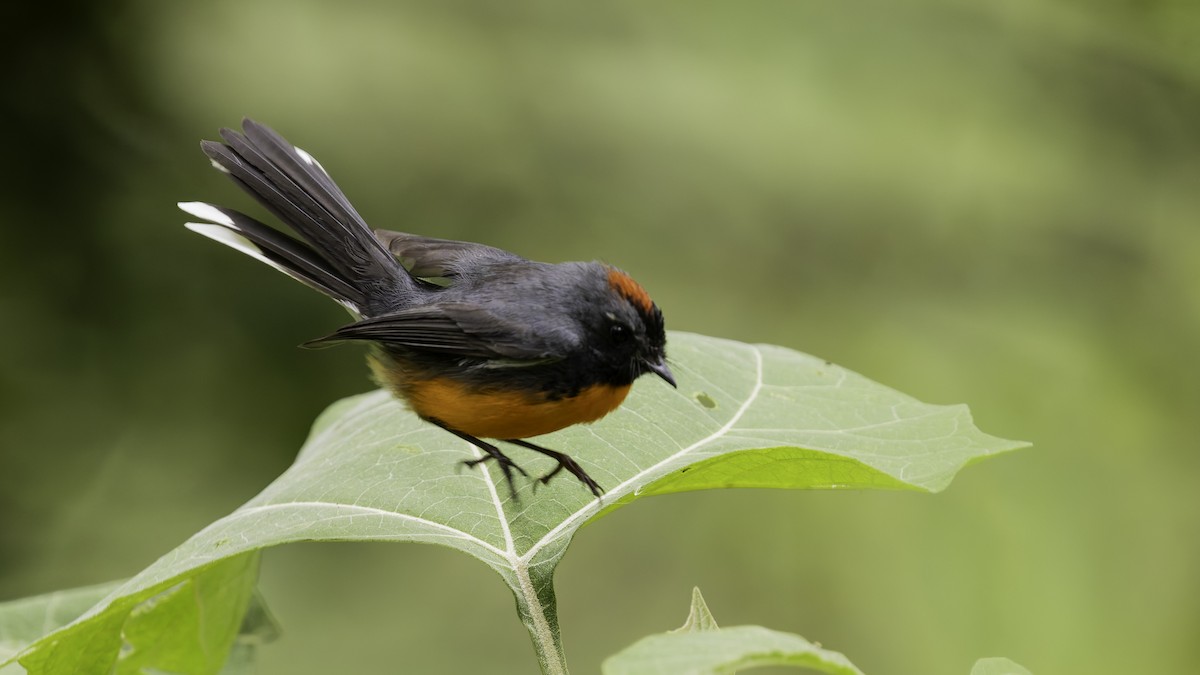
207, 212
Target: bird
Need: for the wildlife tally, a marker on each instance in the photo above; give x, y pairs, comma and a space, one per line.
474, 339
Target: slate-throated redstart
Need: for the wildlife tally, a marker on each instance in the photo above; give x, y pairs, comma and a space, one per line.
504, 348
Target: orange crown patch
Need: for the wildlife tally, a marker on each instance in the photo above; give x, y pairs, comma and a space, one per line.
629, 289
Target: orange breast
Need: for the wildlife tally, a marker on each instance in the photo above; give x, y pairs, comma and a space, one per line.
504, 414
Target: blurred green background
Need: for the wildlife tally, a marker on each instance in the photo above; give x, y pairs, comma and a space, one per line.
990, 203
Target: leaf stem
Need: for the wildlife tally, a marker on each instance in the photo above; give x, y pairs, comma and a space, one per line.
537, 608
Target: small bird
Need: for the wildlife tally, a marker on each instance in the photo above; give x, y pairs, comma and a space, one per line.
476, 340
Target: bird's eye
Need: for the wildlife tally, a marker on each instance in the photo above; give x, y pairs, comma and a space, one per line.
619, 332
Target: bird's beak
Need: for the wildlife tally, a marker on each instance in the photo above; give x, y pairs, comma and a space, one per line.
659, 368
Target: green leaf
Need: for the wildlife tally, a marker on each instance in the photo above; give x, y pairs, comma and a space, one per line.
998, 666
210, 622
24, 621
699, 618
743, 416
700, 647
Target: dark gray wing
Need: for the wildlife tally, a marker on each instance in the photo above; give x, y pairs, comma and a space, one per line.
455, 329
432, 257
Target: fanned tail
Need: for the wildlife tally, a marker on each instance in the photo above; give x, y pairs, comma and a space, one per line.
337, 253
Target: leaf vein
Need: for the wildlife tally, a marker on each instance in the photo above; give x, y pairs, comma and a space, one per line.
459, 534
636, 479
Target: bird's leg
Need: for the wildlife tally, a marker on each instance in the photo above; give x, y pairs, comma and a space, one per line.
564, 462
506, 464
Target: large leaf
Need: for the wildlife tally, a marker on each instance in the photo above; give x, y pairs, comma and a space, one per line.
23, 621
209, 622
700, 647
743, 416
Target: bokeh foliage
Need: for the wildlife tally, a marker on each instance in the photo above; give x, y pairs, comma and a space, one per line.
994, 203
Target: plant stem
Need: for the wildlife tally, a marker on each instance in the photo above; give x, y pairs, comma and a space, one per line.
538, 610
